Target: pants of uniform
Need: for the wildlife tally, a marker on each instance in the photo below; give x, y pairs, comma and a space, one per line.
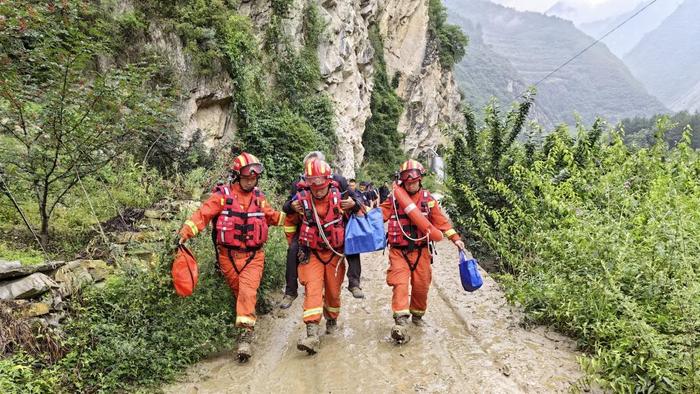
243, 271
354, 268
322, 283
409, 269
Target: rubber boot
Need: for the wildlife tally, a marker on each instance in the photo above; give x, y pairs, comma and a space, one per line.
399, 332
287, 301
311, 343
418, 320
245, 350
331, 326
357, 292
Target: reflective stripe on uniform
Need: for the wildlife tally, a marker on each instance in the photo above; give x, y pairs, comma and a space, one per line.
332, 309
245, 320
281, 221
403, 312
193, 226
450, 233
312, 312
416, 312
222, 201
410, 207
290, 229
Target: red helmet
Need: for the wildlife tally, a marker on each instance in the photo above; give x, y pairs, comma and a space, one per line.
246, 164
317, 174
411, 171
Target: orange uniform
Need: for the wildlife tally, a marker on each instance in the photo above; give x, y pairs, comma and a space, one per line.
322, 275
413, 266
242, 268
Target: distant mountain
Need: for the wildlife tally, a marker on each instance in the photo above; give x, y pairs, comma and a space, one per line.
622, 40
484, 74
667, 60
579, 11
511, 50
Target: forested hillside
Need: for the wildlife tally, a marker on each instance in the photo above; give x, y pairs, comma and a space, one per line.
595, 84
667, 59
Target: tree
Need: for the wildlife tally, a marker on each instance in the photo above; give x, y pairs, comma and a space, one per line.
63, 116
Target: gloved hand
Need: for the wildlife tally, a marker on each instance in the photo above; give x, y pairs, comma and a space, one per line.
303, 255
347, 204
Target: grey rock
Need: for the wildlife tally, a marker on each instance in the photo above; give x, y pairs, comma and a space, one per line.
72, 277
15, 269
27, 287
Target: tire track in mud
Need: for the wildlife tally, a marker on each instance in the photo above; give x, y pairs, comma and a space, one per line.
472, 343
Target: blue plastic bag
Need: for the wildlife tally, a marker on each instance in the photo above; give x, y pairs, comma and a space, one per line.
469, 273
364, 234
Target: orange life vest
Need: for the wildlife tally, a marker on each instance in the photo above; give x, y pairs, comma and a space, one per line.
332, 223
399, 219
240, 229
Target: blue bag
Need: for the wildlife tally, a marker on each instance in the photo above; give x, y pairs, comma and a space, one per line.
364, 234
469, 273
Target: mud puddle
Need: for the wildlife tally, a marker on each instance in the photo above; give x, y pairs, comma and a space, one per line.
472, 343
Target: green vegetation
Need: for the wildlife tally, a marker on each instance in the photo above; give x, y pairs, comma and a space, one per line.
449, 39
134, 332
592, 237
63, 121
381, 138
641, 132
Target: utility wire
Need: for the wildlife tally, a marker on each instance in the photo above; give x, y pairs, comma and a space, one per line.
594, 43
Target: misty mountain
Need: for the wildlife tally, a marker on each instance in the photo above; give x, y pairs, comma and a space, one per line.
581, 11
512, 49
622, 40
667, 60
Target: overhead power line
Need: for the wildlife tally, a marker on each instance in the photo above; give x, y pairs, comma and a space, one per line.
594, 43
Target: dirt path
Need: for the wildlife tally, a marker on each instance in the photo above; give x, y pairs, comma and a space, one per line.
471, 344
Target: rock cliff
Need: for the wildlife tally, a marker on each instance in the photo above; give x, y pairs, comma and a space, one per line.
346, 64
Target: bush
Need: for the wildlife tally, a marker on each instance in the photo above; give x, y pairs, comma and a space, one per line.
449, 39
595, 239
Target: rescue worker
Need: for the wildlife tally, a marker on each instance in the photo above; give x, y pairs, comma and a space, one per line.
410, 257
350, 199
321, 241
241, 216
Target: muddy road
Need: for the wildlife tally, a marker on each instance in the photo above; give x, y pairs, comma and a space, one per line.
472, 343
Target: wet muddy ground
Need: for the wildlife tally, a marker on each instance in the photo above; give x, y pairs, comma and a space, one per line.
472, 343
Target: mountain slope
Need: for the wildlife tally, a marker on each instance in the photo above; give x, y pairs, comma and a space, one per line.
622, 40
667, 59
581, 11
595, 84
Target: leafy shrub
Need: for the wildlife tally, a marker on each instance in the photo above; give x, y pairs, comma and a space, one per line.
449, 39
595, 239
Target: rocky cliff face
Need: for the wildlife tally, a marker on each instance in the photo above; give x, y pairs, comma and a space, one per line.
430, 93
346, 61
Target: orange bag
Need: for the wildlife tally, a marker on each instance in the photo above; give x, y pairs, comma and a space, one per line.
185, 272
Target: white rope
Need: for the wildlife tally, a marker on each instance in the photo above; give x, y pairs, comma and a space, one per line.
323, 236
396, 214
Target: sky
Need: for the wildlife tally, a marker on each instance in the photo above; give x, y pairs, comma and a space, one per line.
544, 5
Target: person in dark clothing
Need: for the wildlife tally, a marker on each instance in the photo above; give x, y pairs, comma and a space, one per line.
383, 192
372, 196
354, 266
